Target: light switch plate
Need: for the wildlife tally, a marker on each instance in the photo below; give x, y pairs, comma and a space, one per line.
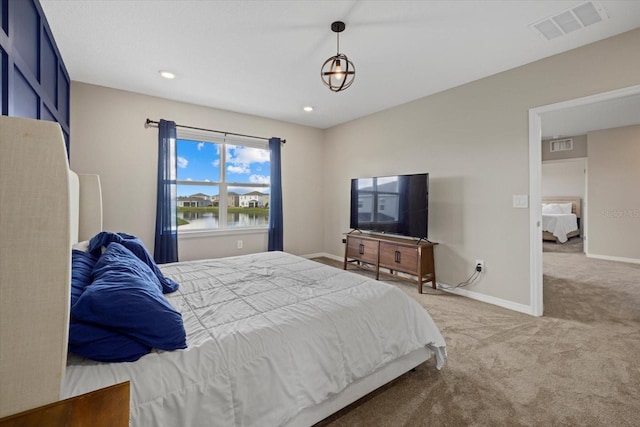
520, 201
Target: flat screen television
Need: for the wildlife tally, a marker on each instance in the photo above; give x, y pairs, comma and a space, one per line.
391, 204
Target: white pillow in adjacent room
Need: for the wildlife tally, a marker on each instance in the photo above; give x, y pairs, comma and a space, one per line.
552, 208
565, 208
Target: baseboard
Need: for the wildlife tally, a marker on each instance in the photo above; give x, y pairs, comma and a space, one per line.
510, 305
323, 254
614, 258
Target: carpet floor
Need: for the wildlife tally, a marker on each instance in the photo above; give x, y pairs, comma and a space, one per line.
576, 366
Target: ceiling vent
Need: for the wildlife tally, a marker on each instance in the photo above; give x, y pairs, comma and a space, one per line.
575, 18
561, 145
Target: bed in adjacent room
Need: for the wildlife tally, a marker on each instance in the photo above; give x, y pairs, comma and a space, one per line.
560, 218
266, 339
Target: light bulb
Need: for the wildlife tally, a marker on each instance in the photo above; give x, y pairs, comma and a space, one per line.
338, 74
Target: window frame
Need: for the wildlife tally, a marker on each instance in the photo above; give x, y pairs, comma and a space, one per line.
223, 186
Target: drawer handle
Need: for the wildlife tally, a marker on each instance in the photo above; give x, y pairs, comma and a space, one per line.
397, 256
361, 249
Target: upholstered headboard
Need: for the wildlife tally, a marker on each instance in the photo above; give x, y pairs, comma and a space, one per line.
575, 202
40, 217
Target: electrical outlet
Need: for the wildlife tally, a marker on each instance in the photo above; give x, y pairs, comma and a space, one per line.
239, 244
479, 265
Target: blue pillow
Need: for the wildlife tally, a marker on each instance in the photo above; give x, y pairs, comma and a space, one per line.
103, 345
136, 246
81, 267
125, 296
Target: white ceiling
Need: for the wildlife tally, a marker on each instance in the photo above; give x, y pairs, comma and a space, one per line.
264, 57
624, 111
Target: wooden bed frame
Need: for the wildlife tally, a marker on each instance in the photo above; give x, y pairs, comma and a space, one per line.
575, 209
36, 264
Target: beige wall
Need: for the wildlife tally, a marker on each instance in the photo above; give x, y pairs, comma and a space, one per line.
579, 149
614, 200
109, 138
473, 140
564, 178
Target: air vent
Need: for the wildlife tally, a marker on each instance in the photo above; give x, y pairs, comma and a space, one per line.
575, 18
561, 145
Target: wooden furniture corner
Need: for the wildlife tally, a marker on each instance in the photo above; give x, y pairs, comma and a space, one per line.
106, 407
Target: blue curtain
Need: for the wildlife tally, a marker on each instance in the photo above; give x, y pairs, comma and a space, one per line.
166, 244
275, 204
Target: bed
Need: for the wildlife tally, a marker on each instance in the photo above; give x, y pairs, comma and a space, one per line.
560, 218
272, 338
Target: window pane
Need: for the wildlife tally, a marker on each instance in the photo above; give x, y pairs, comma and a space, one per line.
247, 165
198, 206
198, 161
250, 206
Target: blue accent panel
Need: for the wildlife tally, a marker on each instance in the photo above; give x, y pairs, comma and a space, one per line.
48, 69
34, 82
25, 33
25, 98
63, 96
45, 114
4, 16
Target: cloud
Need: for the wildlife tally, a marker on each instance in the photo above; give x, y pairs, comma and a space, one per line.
250, 155
241, 158
200, 145
239, 168
189, 179
215, 163
182, 162
259, 179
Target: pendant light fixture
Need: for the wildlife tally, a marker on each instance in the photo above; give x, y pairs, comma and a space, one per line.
338, 71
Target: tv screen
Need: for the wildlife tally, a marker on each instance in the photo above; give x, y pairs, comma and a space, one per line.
391, 204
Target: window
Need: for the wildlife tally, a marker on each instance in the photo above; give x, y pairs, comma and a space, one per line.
221, 183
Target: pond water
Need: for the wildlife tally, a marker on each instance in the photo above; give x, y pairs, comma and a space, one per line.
200, 220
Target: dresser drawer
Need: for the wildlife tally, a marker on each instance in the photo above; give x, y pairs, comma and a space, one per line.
399, 257
364, 250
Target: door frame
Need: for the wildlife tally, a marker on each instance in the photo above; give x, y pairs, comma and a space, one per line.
535, 178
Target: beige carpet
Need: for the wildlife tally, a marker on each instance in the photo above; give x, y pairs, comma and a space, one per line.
579, 365
573, 245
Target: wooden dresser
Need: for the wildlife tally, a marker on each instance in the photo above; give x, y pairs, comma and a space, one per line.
391, 256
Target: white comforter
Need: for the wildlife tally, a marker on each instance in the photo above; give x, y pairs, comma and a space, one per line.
269, 334
559, 225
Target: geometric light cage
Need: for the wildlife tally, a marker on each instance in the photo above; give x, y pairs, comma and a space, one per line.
338, 72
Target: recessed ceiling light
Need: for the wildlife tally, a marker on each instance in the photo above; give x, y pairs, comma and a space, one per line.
308, 109
167, 74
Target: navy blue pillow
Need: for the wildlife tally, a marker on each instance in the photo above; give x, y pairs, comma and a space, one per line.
125, 296
103, 345
81, 268
135, 245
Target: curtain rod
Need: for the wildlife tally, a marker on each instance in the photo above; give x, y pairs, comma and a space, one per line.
154, 123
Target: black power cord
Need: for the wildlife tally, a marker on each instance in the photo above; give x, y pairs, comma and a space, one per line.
470, 280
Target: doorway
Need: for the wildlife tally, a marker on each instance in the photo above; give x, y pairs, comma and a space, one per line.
536, 116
